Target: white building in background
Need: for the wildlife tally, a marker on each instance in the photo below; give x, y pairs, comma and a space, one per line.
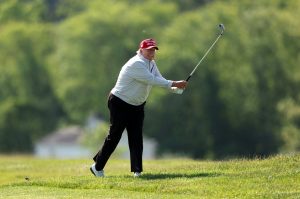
65, 144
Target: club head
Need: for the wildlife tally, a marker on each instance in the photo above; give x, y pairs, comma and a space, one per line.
222, 28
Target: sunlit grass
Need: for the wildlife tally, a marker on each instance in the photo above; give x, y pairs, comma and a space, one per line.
28, 177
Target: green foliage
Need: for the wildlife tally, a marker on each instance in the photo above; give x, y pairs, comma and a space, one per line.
230, 106
21, 10
290, 112
59, 60
40, 10
185, 5
28, 107
27, 177
58, 10
92, 47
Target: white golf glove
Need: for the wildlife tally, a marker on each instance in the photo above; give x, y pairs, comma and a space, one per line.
177, 90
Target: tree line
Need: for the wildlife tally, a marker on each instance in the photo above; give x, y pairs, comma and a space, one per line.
59, 60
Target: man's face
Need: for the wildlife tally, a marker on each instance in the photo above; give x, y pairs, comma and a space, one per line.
149, 53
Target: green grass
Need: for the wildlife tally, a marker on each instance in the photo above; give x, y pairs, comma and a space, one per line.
275, 177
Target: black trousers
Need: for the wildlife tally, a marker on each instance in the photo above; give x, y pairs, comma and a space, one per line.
123, 115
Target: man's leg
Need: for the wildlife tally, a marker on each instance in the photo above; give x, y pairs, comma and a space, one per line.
135, 140
118, 124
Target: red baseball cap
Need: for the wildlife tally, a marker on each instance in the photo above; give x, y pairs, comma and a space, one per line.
148, 44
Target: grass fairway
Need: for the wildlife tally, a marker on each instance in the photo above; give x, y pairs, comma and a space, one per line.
275, 177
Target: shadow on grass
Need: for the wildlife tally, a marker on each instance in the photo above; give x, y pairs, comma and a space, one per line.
177, 175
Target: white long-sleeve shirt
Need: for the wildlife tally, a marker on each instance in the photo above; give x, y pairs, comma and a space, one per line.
136, 79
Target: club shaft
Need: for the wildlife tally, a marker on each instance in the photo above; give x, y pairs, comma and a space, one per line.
204, 56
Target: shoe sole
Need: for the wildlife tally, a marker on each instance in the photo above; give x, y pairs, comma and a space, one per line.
92, 171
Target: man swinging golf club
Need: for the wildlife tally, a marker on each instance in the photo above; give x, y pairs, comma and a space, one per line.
126, 103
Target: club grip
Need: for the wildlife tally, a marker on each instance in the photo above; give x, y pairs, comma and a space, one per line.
187, 79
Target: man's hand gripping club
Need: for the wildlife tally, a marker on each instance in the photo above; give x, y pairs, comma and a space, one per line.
179, 86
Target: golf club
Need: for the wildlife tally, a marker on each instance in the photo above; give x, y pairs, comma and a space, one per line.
180, 91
